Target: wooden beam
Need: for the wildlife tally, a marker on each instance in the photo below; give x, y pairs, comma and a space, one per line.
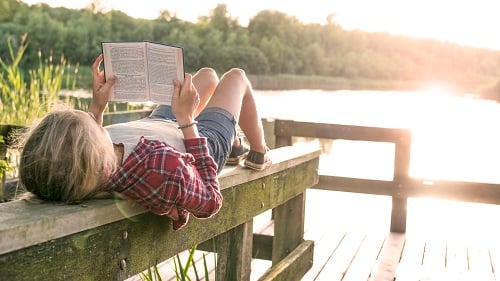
294, 265
368, 186
452, 190
289, 128
263, 247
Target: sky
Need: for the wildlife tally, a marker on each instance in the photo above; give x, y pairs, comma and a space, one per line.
467, 22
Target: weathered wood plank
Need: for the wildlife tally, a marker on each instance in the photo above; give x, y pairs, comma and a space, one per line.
296, 264
326, 242
495, 260
453, 190
263, 247
480, 266
410, 266
124, 247
367, 186
456, 257
389, 258
339, 261
362, 265
23, 224
335, 131
434, 258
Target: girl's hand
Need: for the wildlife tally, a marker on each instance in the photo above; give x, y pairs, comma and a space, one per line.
101, 90
185, 100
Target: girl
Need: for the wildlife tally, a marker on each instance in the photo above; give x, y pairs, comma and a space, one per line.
167, 162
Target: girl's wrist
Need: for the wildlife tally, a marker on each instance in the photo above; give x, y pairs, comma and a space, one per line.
96, 114
187, 125
190, 132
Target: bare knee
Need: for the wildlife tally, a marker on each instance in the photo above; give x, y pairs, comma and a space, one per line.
208, 71
236, 73
205, 80
207, 74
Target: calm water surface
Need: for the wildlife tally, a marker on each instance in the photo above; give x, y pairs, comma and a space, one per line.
453, 137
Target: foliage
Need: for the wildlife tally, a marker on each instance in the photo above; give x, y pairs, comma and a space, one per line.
4, 167
24, 99
181, 270
272, 43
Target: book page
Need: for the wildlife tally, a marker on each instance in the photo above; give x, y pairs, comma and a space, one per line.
128, 62
165, 63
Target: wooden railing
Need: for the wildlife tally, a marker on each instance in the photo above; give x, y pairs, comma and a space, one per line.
402, 185
114, 239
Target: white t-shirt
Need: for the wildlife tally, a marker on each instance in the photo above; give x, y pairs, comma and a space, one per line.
129, 133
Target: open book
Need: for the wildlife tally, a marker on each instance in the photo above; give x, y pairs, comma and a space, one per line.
145, 70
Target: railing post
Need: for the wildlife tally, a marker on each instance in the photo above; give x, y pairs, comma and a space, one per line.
234, 253
401, 178
280, 139
288, 227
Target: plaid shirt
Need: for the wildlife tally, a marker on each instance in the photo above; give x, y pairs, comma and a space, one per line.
168, 182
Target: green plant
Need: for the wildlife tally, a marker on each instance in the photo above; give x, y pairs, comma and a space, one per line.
24, 99
152, 274
181, 270
4, 167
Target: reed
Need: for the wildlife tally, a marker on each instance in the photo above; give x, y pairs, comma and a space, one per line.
4, 167
25, 98
181, 269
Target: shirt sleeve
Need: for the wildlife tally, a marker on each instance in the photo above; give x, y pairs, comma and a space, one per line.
202, 195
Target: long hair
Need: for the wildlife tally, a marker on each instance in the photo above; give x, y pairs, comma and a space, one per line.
65, 157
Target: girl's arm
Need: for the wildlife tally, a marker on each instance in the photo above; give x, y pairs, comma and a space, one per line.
101, 91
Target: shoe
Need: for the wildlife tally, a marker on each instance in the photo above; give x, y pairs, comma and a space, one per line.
238, 153
257, 161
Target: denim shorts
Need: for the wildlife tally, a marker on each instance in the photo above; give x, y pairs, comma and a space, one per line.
214, 123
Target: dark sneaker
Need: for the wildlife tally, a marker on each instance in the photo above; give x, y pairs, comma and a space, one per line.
238, 153
257, 161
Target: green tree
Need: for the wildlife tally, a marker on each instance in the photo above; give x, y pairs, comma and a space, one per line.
8, 9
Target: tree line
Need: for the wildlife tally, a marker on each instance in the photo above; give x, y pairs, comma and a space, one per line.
272, 43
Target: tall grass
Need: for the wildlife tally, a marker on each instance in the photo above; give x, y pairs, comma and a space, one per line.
181, 269
4, 167
24, 99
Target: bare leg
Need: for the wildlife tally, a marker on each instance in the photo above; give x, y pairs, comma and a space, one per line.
234, 93
205, 81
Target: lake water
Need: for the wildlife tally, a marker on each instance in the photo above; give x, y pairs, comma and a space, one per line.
456, 138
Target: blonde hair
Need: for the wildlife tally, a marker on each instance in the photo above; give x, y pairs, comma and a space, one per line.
65, 157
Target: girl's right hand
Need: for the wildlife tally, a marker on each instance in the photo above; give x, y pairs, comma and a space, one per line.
185, 100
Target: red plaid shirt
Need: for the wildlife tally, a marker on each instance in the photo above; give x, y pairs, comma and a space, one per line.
168, 182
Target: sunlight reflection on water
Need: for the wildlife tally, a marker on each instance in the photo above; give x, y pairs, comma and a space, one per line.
453, 138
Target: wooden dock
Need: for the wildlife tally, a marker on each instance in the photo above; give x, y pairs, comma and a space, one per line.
389, 230
355, 229
445, 240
